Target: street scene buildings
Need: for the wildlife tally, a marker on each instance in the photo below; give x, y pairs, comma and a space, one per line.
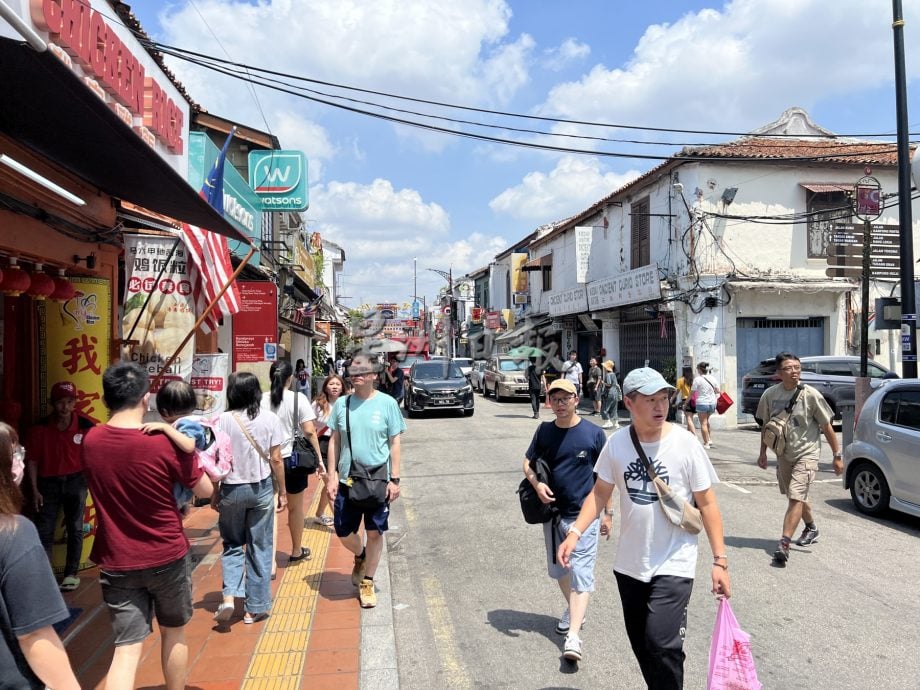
452, 205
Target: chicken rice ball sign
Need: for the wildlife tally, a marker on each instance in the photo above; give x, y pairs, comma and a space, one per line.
160, 323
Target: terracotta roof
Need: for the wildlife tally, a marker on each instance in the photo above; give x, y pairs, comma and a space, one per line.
839, 152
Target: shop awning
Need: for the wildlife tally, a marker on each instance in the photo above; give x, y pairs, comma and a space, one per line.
825, 187
49, 110
523, 328
537, 264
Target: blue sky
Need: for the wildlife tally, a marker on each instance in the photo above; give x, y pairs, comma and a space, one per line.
387, 193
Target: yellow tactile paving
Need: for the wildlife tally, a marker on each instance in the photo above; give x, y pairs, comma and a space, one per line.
278, 660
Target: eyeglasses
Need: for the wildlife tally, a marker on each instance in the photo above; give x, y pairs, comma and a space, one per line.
562, 401
791, 370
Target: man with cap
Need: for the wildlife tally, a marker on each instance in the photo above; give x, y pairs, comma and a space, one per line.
53, 449
570, 447
656, 560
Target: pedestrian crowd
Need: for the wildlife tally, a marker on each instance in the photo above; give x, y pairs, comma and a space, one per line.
656, 557
143, 475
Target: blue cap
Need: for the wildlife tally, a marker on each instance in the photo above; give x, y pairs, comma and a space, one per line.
646, 381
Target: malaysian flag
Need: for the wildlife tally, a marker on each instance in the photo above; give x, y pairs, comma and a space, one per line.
210, 254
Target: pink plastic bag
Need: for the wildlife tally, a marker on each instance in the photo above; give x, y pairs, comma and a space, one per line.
731, 663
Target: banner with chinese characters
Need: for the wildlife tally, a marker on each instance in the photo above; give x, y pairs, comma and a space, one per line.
159, 306
74, 343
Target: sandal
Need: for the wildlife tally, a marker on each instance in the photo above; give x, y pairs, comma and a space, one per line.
251, 618
304, 555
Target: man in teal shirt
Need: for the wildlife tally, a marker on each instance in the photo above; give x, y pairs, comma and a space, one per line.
366, 426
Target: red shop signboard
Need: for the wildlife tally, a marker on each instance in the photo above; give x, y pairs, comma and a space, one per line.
256, 323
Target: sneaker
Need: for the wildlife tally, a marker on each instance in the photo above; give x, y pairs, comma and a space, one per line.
357, 573
707, 446
809, 536
781, 555
562, 627
224, 612
70, 583
367, 595
572, 648
607, 425
325, 520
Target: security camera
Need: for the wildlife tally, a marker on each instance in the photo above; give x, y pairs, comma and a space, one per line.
678, 187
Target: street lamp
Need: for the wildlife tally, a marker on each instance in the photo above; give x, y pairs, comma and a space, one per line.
449, 277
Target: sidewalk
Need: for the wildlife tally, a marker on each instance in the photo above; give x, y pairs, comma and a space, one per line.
313, 639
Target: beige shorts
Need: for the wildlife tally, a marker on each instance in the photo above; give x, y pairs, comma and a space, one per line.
795, 478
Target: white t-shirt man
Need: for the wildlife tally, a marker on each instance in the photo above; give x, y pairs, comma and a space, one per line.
650, 544
572, 371
285, 413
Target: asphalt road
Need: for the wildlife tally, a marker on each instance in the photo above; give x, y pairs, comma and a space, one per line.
473, 606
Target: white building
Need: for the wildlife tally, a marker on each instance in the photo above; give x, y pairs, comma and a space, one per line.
719, 254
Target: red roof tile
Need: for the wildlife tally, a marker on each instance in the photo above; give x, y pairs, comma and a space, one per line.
760, 148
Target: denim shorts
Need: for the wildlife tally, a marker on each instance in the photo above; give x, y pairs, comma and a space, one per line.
132, 597
703, 407
348, 517
581, 560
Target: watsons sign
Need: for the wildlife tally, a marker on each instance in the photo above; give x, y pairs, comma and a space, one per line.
279, 178
632, 287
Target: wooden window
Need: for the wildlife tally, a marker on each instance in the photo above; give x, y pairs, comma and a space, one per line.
547, 272
640, 242
825, 209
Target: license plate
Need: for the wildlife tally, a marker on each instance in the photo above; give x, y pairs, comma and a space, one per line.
758, 386
442, 402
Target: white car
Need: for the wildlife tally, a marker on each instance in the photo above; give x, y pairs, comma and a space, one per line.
465, 364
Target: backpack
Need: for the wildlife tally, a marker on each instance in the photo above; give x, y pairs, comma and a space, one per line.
217, 456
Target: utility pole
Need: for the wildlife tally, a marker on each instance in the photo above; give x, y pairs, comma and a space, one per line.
908, 299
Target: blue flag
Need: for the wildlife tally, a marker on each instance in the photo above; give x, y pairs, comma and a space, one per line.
213, 188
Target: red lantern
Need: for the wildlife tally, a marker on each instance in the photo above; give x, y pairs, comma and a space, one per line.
63, 288
15, 281
42, 285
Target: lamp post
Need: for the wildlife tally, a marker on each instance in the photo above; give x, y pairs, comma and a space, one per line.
449, 277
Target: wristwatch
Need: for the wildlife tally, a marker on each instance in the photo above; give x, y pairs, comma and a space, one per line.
838, 454
395, 480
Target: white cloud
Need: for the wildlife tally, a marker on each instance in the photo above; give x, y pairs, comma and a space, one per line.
571, 186
723, 69
298, 133
569, 51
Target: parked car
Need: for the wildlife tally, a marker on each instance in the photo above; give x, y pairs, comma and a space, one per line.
437, 384
465, 364
880, 466
505, 377
477, 374
833, 377
408, 361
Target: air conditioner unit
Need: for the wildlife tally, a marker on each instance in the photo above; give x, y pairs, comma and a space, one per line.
522, 298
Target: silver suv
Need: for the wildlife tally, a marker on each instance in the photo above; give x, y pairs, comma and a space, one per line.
505, 377
881, 469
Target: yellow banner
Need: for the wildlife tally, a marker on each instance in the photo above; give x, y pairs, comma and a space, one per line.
75, 345
518, 277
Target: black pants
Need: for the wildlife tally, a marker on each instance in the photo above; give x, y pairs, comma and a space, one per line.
67, 493
535, 401
655, 614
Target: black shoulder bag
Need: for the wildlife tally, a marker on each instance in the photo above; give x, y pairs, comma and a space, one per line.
302, 453
367, 487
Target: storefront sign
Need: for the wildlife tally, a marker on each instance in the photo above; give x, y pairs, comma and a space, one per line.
632, 287
160, 323
583, 237
256, 323
518, 277
493, 320
565, 302
209, 379
117, 66
280, 179
74, 343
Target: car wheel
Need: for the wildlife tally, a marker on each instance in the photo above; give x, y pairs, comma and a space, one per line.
869, 489
497, 392
759, 422
468, 413
485, 390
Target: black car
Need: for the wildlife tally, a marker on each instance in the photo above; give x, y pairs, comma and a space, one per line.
438, 384
832, 376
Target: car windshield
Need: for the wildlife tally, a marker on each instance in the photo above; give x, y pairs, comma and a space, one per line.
409, 361
462, 362
437, 370
512, 365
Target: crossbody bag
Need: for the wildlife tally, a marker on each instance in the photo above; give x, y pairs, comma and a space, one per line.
679, 512
367, 487
774, 431
302, 453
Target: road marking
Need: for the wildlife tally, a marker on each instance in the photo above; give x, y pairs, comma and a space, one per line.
453, 673
736, 488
